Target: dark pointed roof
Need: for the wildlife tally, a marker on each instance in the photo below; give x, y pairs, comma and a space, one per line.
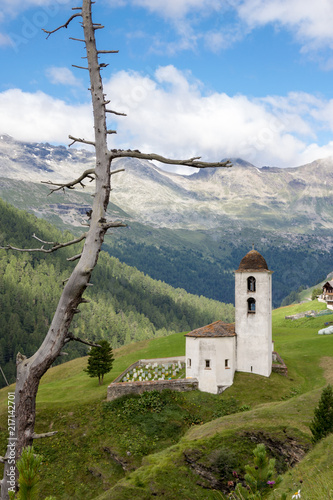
217, 329
253, 261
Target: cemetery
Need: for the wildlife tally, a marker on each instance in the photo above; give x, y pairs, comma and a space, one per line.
152, 375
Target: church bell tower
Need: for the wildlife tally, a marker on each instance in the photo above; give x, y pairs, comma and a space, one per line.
253, 315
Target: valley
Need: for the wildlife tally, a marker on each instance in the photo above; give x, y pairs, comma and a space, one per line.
157, 279
193, 228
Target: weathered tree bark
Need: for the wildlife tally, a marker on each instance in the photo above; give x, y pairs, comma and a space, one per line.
30, 371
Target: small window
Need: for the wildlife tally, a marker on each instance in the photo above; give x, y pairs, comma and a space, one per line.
189, 362
251, 284
207, 363
251, 305
226, 363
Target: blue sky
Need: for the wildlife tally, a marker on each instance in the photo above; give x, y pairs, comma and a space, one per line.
220, 78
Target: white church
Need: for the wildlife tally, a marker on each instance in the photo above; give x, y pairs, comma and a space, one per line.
214, 352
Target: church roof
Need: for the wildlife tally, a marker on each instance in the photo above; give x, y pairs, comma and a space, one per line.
216, 329
253, 261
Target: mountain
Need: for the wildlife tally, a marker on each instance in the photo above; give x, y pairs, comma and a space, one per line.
189, 231
292, 200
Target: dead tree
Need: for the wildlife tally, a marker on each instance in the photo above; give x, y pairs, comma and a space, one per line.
30, 370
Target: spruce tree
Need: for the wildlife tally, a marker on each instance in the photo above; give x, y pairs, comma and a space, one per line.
100, 361
322, 423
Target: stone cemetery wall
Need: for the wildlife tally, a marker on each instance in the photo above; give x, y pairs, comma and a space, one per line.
279, 365
117, 389
152, 375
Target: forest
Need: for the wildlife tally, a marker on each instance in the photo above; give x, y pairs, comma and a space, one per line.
125, 304
211, 272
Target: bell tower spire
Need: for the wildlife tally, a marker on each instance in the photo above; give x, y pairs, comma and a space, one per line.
253, 314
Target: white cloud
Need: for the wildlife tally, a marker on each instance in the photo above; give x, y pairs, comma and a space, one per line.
41, 118
311, 22
176, 9
4, 40
16, 7
62, 76
170, 113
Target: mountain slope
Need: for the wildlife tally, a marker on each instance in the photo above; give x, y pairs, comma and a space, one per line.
190, 231
284, 199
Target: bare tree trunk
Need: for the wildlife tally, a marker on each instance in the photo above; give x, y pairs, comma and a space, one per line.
30, 371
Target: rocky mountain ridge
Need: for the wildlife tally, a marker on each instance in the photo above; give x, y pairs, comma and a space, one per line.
296, 200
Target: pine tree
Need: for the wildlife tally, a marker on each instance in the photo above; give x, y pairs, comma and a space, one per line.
259, 478
100, 361
28, 466
322, 423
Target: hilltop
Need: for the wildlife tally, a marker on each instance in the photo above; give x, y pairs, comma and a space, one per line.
171, 445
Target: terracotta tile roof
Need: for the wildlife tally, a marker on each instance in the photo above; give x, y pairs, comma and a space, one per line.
216, 329
253, 261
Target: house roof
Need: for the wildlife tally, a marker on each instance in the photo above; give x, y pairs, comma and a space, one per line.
253, 261
216, 329
329, 283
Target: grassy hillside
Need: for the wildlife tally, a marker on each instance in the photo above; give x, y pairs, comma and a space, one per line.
183, 445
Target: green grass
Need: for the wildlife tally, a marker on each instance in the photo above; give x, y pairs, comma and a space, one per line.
64, 384
139, 448
313, 475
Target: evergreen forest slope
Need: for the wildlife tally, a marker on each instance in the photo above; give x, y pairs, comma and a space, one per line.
185, 445
125, 304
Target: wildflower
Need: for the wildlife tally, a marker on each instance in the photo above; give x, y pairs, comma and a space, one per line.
235, 474
297, 494
230, 483
270, 483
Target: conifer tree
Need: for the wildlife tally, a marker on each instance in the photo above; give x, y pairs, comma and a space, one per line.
259, 478
28, 467
322, 423
100, 361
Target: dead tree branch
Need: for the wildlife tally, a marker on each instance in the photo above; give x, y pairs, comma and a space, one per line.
88, 174
77, 139
63, 25
54, 248
77, 339
77, 39
79, 67
191, 162
114, 112
107, 51
109, 225
75, 257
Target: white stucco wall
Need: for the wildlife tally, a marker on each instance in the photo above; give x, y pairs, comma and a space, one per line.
254, 330
216, 350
